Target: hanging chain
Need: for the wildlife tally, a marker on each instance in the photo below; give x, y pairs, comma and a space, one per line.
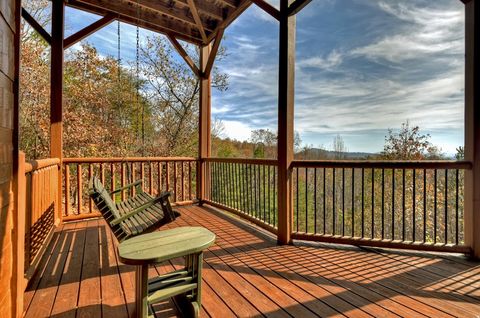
119, 57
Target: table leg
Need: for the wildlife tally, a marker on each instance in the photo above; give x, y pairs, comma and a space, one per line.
141, 291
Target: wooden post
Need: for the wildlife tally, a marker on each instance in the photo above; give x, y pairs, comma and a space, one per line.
19, 282
204, 138
286, 78
19, 248
472, 127
56, 92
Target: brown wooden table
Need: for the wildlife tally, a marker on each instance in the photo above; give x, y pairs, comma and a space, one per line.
157, 247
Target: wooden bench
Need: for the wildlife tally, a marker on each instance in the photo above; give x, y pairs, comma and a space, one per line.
138, 214
157, 247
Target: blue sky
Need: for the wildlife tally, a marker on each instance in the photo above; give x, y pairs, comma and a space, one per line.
363, 66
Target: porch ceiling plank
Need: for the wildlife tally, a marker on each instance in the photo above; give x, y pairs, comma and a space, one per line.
213, 53
175, 12
297, 6
198, 21
83, 33
205, 8
183, 54
229, 3
36, 26
128, 15
268, 8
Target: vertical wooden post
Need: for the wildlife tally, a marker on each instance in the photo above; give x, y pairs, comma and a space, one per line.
56, 92
19, 248
19, 186
204, 127
286, 77
472, 127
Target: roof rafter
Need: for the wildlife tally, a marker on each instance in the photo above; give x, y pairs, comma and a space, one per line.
175, 12
147, 19
198, 21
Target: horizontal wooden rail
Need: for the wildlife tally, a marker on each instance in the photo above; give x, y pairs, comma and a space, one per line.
267, 162
39, 164
390, 164
174, 174
127, 159
406, 245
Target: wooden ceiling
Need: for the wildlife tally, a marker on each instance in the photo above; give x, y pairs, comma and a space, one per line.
194, 21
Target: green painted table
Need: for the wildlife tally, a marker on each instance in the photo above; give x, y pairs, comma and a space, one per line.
157, 247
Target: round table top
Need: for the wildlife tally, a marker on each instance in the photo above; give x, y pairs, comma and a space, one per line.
160, 246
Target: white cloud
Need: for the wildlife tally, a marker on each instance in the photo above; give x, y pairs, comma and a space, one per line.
332, 60
237, 129
425, 31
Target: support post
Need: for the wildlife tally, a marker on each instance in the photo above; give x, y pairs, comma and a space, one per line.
286, 77
472, 127
56, 90
204, 127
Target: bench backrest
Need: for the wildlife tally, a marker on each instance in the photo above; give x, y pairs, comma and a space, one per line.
106, 206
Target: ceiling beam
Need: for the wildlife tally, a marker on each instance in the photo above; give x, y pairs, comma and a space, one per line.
36, 26
92, 28
268, 8
232, 14
205, 8
183, 54
198, 21
175, 12
297, 6
147, 19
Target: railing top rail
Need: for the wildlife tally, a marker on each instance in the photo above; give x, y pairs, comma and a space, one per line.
127, 159
268, 162
33, 165
390, 164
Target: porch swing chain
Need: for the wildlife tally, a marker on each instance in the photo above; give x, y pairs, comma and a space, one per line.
138, 78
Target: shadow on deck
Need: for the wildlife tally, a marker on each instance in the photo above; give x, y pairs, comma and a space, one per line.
246, 274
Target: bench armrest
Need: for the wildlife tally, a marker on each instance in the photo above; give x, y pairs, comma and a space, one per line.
136, 183
141, 208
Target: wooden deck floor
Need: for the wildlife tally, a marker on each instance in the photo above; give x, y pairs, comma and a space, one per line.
246, 274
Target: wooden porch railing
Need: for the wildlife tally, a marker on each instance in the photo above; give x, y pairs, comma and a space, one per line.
41, 208
247, 187
398, 204
176, 174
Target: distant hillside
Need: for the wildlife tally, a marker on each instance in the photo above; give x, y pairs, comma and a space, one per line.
319, 154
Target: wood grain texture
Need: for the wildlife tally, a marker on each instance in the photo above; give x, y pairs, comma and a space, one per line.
246, 273
8, 242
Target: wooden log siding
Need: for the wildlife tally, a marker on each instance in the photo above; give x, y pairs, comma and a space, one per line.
176, 174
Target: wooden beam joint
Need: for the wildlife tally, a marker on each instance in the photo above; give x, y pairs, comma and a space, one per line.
213, 54
297, 6
268, 8
36, 26
183, 54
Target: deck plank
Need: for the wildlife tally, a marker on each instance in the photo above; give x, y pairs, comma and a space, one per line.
90, 296
247, 274
69, 288
44, 296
